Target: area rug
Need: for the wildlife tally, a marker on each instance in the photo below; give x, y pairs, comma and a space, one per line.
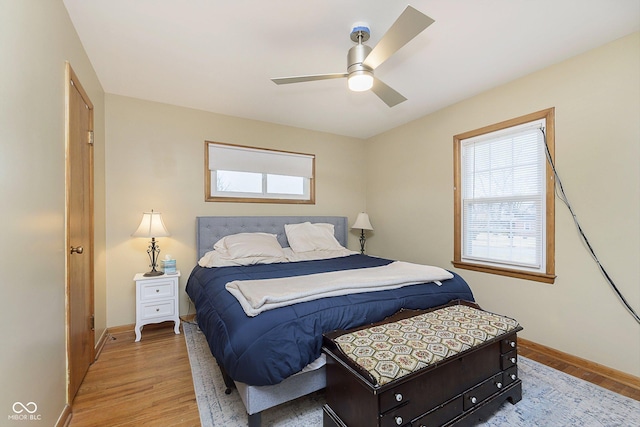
550, 398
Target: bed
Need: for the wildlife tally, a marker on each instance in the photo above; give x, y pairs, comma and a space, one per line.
275, 356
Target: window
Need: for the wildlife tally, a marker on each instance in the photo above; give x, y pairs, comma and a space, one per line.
234, 173
504, 198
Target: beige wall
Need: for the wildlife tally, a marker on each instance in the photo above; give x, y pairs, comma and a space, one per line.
597, 101
155, 160
36, 38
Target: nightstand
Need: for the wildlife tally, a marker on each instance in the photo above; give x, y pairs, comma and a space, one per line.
156, 300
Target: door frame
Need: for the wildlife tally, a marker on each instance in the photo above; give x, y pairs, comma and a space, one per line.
71, 81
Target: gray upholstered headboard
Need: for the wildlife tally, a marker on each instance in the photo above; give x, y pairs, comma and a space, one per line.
210, 229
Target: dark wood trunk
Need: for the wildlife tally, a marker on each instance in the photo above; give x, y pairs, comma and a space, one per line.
455, 391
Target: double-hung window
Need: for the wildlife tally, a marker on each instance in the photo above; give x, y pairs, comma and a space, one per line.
504, 198
235, 173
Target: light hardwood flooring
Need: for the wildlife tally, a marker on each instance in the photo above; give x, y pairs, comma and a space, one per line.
149, 383
145, 383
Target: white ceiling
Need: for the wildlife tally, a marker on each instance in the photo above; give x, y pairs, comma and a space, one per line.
219, 56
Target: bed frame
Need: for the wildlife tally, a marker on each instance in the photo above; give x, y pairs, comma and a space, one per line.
212, 228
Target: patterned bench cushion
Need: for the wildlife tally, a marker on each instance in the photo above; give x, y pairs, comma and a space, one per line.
393, 350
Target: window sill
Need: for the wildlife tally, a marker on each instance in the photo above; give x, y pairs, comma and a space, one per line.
259, 200
519, 274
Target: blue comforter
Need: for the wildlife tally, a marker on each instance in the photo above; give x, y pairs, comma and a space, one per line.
274, 345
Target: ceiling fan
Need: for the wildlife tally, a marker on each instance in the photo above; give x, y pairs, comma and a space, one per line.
362, 59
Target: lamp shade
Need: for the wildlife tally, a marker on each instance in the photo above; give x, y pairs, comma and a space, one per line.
151, 226
362, 222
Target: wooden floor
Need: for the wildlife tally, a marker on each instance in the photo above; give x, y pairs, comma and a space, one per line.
146, 383
149, 383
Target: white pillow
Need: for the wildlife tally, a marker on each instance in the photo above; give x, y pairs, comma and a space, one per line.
244, 245
305, 237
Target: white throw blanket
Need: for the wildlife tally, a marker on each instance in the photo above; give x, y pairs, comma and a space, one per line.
257, 296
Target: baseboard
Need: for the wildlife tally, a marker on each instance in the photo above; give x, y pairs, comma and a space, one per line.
65, 417
101, 342
121, 329
188, 317
596, 368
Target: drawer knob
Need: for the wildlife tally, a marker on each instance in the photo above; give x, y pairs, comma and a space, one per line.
157, 309
398, 397
513, 344
157, 290
499, 384
513, 377
399, 421
473, 399
513, 360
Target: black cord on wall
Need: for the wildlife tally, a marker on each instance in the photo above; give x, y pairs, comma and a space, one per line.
563, 197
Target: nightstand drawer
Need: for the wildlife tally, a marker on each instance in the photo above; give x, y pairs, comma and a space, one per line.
158, 290
160, 309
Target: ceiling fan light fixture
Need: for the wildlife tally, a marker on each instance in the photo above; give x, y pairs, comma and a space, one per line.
362, 59
360, 81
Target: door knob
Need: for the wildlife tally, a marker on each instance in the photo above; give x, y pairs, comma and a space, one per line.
77, 250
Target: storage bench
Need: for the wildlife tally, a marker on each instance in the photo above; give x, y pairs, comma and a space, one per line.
440, 367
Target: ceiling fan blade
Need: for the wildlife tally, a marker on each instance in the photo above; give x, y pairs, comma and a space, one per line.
386, 93
301, 79
408, 25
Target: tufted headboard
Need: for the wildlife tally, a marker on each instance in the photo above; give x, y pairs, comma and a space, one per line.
210, 229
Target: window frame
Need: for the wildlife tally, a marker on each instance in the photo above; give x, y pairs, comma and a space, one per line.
548, 276
257, 197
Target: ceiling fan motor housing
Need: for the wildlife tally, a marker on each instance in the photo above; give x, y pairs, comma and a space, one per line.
356, 57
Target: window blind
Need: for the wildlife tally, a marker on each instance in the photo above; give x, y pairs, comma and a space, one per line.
503, 197
244, 159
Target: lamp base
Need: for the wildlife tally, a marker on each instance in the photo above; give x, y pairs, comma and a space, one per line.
153, 273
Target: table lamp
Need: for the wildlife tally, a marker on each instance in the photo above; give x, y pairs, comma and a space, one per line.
362, 223
152, 226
